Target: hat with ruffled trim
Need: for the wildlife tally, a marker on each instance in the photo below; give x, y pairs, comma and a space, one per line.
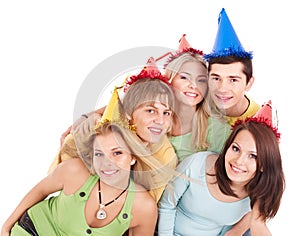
264, 115
227, 42
184, 47
150, 70
113, 110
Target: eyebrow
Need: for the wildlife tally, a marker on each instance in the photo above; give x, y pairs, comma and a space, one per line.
202, 75
153, 106
184, 72
230, 76
113, 149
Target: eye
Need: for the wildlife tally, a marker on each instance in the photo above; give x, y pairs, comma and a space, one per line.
234, 80
167, 113
151, 111
183, 77
253, 156
235, 148
117, 153
202, 80
215, 78
98, 154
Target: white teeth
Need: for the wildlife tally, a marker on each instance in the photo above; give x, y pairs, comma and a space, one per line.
156, 130
223, 98
191, 94
236, 169
109, 172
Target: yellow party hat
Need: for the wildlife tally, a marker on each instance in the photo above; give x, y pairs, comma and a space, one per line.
113, 111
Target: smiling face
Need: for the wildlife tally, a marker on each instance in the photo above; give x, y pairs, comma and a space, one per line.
227, 87
152, 121
112, 159
240, 158
190, 83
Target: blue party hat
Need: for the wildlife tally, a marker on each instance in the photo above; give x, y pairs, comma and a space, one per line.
227, 42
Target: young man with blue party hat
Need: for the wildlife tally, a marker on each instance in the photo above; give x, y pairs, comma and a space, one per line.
230, 77
230, 74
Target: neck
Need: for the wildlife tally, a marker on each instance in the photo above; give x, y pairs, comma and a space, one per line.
237, 110
182, 120
115, 186
239, 190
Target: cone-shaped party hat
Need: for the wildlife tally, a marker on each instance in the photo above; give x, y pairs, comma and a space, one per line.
150, 70
268, 114
183, 44
227, 42
113, 111
184, 47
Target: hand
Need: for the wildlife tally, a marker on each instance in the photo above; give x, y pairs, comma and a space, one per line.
86, 126
74, 128
71, 128
64, 135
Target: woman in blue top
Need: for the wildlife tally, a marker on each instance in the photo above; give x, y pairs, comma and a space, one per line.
215, 192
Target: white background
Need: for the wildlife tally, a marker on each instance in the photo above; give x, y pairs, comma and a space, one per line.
48, 48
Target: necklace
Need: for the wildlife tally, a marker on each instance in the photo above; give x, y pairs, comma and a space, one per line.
101, 214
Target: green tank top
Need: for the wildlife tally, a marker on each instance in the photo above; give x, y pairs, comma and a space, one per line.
64, 215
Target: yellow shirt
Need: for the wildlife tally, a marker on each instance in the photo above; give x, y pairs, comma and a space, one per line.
164, 153
251, 111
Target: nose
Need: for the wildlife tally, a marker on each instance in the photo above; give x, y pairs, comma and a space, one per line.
107, 160
240, 159
159, 119
222, 85
192, 83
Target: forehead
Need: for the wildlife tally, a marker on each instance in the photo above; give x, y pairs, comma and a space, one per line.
154, 105
227, 70
155, 101
246, 140
109, 141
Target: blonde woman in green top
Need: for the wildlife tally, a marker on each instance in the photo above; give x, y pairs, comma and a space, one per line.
97, 195
187, 73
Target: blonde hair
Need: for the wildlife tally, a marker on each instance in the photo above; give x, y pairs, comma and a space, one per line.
145, 91
153, 176
200, 119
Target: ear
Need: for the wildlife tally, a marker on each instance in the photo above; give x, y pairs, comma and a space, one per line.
250, 83
130, 119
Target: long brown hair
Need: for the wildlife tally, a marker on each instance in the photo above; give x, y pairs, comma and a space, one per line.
268, 184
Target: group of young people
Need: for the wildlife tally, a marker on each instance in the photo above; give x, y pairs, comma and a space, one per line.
184, 152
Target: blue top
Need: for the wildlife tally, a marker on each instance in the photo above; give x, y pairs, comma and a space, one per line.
188, 208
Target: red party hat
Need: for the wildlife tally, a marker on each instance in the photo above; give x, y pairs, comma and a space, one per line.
265, 112
265, 115
183, 44
150, 70
184, 47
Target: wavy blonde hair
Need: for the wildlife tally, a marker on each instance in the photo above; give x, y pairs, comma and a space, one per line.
200, 119
154, 176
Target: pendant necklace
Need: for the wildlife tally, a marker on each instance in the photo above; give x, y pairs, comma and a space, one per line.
101, 214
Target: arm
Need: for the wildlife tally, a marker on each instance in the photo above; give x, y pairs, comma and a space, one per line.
146, 215
258, 225
240, 227
50, 184
170, 198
